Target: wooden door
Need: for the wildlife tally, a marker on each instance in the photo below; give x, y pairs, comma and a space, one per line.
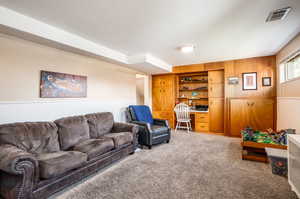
262, 114
163, 97
255, 113
239, 116
216, 115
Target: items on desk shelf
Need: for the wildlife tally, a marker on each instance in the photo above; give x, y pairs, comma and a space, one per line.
201, 107
186, 79
194, 94
201, 88
184, 88
196, 80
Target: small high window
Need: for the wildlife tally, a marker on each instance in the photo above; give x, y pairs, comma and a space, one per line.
290, 69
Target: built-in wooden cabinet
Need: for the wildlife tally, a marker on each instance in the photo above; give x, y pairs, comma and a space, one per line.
216, 113
255, 113
163, 97
216, 101
201, 122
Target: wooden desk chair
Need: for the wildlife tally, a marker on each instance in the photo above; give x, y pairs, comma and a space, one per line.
183, 116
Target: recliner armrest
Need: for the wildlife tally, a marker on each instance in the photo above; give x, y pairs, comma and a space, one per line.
16, 161
161, 122
143, 124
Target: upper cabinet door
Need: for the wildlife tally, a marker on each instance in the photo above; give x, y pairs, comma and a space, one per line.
216, 84
163, 92
216, 77
216, 90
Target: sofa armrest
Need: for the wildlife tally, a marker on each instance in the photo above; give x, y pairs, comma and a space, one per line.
13, 160
161, 122
23, 169
125, 127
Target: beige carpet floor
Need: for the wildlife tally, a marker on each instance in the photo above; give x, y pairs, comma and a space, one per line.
192, 166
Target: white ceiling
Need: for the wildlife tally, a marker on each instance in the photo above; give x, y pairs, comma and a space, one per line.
220, 29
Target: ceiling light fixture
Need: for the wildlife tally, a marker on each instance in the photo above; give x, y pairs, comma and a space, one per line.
187, 48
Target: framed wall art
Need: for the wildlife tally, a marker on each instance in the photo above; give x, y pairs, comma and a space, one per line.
250, 81
233, 80
61, 85
266, 81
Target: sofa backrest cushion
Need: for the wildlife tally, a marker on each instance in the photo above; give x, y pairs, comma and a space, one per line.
100, 123
72, 130
32, 137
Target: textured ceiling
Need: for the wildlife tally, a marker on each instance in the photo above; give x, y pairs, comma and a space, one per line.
220, 29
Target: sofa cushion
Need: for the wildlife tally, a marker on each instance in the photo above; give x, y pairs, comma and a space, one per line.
54, 164
72, 130
120, 138
32, 137
95, 147
100, 123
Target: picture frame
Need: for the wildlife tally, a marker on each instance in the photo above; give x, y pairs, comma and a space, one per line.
62, 85
266, 81
250, 81
233, 80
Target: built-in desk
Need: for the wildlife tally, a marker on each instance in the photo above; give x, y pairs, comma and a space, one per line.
200, 121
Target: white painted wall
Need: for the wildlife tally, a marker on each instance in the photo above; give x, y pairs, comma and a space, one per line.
288, 101
110, 87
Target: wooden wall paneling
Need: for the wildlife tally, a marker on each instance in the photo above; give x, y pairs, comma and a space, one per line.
228, 91
214, 66
265, 67
188, 68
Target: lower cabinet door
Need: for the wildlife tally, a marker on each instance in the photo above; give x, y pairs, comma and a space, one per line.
255, 113
216, 115
239, 116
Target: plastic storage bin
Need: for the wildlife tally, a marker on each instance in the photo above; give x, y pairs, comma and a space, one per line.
278, 161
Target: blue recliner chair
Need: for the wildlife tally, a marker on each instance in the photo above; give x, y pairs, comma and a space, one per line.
151, 131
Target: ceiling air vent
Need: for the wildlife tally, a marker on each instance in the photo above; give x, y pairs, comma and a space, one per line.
278, 14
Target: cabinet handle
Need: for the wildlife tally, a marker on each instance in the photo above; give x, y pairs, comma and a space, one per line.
248, 104
252, 103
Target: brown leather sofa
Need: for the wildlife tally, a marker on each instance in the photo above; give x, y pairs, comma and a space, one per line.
38, 159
